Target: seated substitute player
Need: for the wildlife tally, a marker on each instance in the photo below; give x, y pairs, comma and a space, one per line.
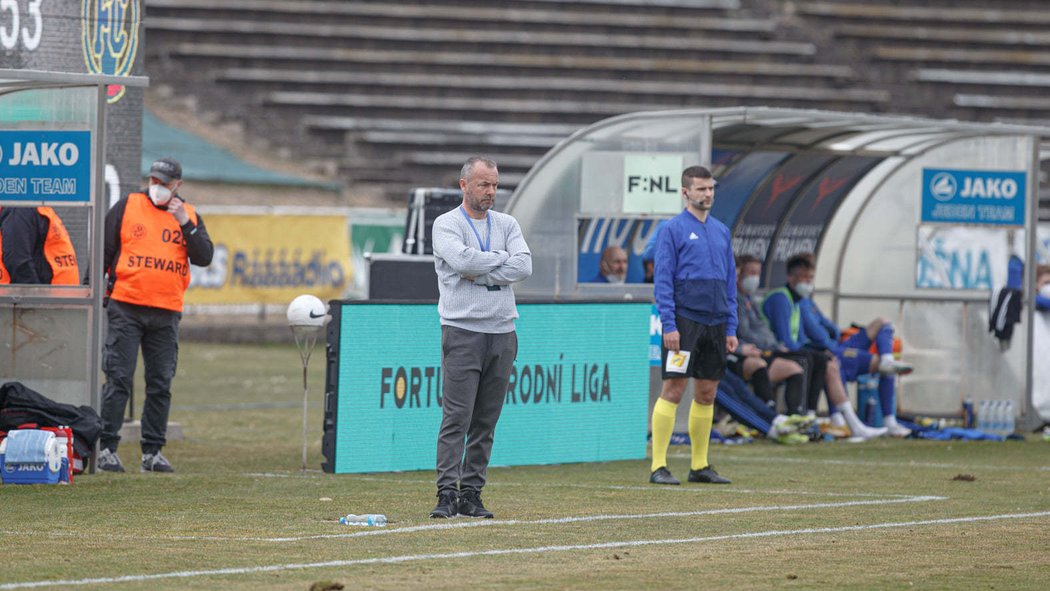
695, 292
760, 359
783, 311
1042, 286
822, 334
742, 404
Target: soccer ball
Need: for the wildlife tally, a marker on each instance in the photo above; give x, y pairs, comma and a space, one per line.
307, 310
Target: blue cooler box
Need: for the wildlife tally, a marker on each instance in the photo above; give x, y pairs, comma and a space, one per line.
35, 473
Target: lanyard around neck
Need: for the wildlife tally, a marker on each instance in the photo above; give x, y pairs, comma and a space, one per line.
488, 231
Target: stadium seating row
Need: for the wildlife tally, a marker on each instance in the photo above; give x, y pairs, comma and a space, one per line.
375, 86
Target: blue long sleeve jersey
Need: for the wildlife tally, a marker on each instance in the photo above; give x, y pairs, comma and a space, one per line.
694, 273
813, 328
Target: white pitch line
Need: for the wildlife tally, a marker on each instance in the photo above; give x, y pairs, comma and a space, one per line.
464, 523
648, 487
588, 518
768, 460
512, 551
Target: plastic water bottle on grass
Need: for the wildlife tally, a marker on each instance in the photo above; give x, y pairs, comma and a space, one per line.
369, 519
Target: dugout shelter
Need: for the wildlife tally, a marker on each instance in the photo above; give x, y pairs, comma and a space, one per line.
913, 219
52, 153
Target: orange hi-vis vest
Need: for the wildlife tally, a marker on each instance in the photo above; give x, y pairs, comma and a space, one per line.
153, 268
4, 277
58, 251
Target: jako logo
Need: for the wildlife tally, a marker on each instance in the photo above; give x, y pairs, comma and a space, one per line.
943, 186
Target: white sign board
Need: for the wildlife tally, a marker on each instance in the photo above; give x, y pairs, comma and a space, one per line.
651, 183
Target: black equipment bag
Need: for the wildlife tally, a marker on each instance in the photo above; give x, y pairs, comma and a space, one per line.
20, 405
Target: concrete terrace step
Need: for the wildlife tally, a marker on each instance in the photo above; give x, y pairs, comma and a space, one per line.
534, 39
394, 180
436, 139
722, 69
574, 64
969, 36
450, 85
437, 125
1013, 103
983, 15
499, 16
983, 77
1013, 57
537, 106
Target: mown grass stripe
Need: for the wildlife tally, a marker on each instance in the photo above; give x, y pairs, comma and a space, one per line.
511, 551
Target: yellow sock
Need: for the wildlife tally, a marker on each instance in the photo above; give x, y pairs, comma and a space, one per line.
663, 426
700, 418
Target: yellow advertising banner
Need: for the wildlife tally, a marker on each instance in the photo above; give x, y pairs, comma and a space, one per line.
271, 259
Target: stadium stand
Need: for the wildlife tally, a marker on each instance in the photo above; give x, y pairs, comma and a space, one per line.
371, 88
953, 53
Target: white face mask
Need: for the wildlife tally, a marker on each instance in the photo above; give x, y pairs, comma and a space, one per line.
1045, 291
159, 194
804, 289
749, 284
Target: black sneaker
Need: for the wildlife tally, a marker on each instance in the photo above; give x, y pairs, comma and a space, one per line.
707, 475
663, 476
107, 461
448, 505
470, 505
155, 462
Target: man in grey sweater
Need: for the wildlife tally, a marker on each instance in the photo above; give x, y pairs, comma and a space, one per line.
478, 254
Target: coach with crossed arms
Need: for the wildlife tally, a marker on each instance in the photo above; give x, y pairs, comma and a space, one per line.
478, 254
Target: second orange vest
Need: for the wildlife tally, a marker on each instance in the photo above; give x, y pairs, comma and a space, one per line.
58, 251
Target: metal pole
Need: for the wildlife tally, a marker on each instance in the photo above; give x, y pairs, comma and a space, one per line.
706, 141
97, 245
305, 339
305, 399
1031, 227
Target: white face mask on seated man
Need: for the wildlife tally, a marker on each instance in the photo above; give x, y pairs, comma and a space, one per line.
804, 289
749, 284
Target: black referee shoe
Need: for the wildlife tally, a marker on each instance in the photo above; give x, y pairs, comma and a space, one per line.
663, 476
707, 475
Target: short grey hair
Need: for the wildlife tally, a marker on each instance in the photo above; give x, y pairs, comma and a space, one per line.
468, 166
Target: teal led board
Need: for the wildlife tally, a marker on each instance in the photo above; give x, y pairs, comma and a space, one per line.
579, 390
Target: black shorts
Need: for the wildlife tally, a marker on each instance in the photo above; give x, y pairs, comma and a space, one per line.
707, 345
735, 361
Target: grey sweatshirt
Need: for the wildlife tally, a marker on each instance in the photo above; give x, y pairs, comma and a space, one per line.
459, 253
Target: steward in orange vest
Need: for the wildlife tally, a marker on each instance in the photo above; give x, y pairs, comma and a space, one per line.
148, 252
35, 248
151, 239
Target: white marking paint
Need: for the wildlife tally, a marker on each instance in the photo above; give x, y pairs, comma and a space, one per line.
465, 523
641, 487
920, 465
510, 551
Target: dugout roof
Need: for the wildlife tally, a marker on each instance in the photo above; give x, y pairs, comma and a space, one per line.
846, 186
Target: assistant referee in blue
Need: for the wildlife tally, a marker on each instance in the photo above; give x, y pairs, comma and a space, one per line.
695, 290
478, 254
